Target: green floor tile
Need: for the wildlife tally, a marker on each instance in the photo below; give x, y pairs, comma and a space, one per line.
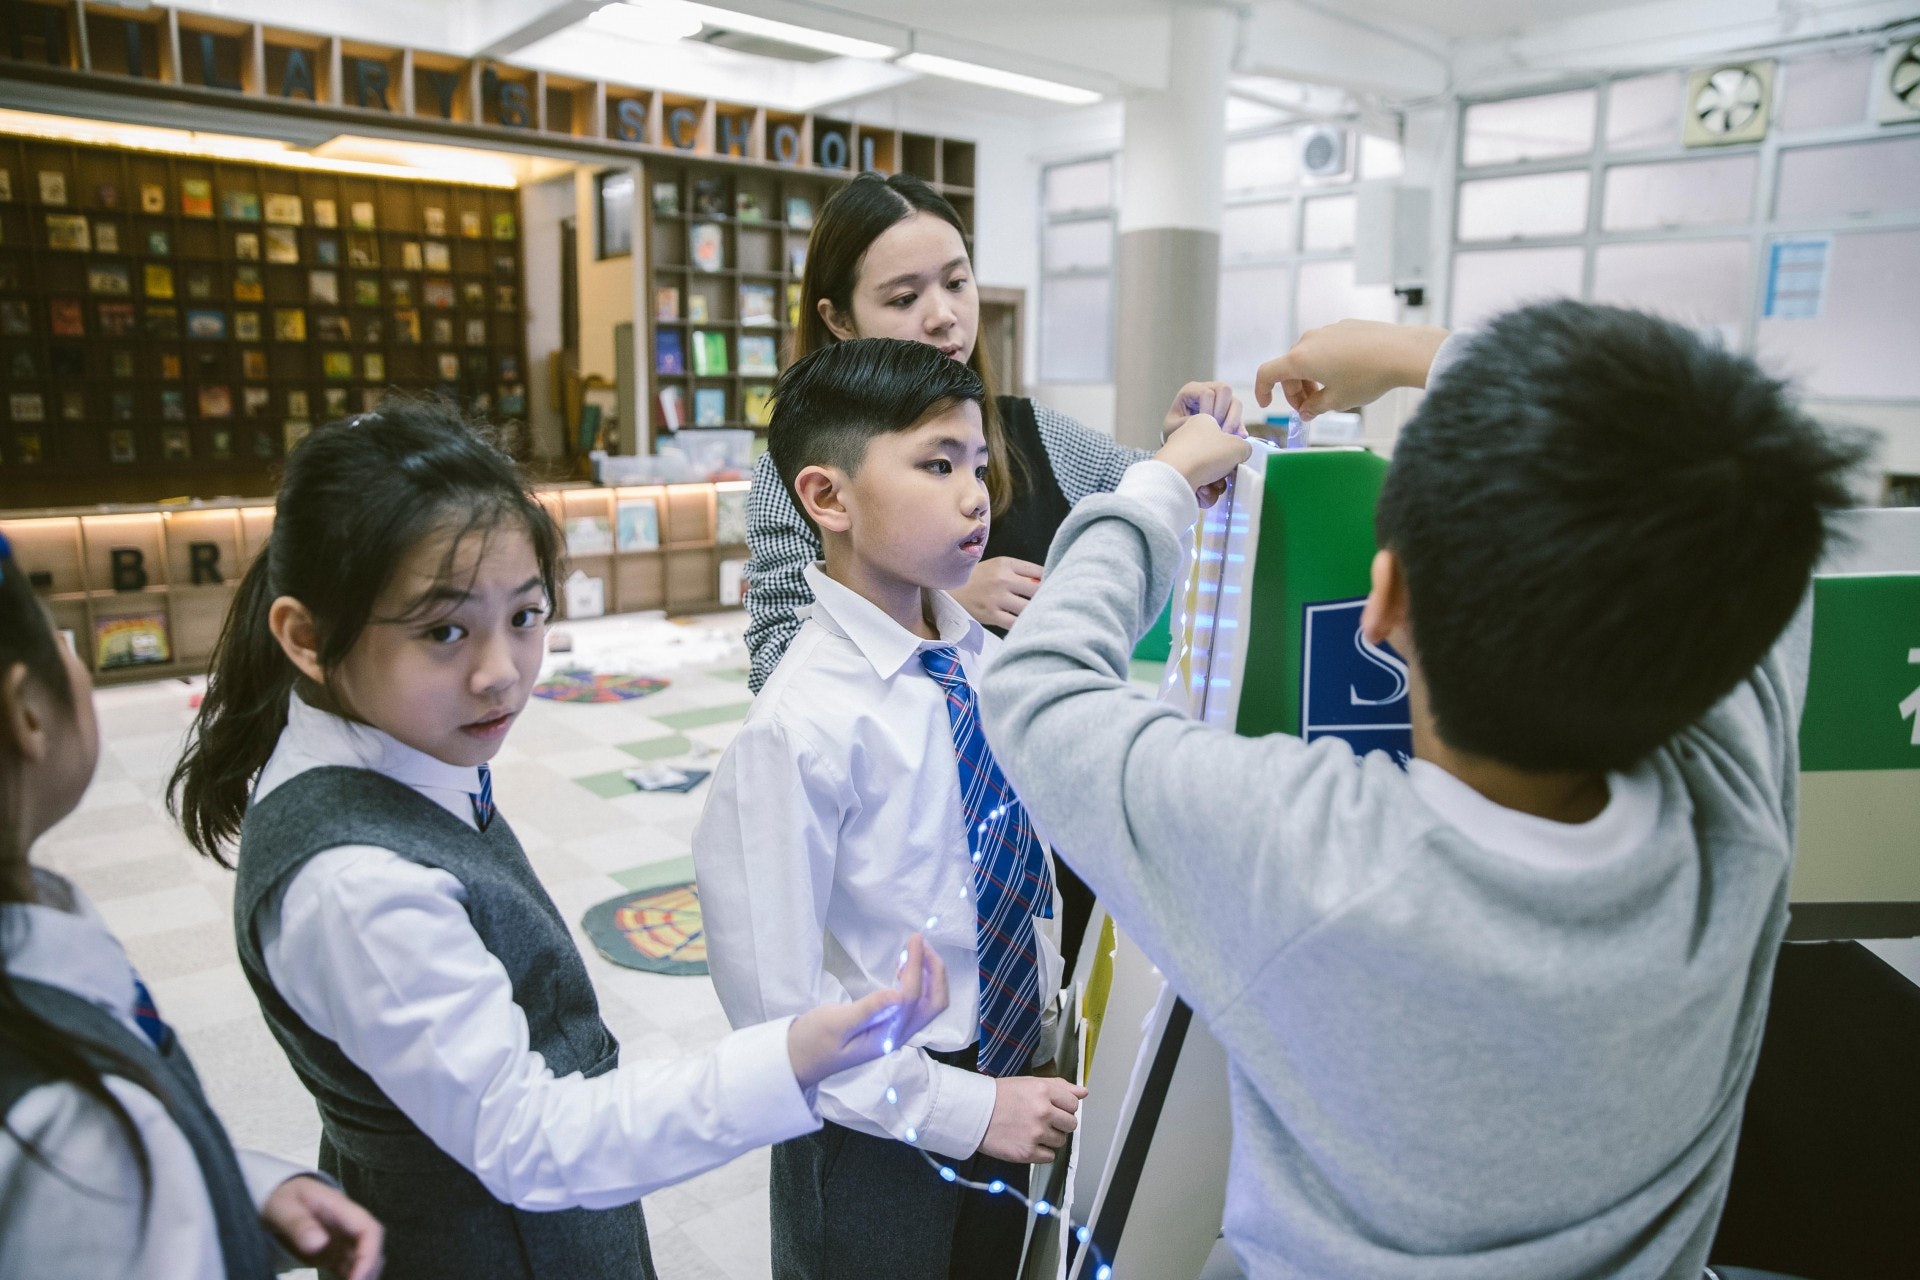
700, 717
608, 786
738, 675
654, 875
658, 748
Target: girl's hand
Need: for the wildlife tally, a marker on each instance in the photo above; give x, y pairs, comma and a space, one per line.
1347, 364
998, 590
827, 1040
1215, 399
318, 1225
1204, 455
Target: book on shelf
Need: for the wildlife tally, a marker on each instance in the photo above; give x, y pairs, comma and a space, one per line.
756, 305
246, 326
668, 355
746, 207
293, 431
207, 324
697, 308
131, 639
332, 327
323, 286
68, 231
505, 227
220, 445
199, 281
666, 199
176, 445
360, 212
160, 243
253, 364
470, 225
589, 535
410, 259
73, 406
799, 213
666, 302
793, 304
66, 319
636, 524
336, 401
437, 256
326, 250
53, 186
284, 209
709, 407
216, 402
196, 197
109, 278
797, 259
27, 406
326, 213
240, 206
163, 322
671, 413
173, 405
290, 324
248, 285
756, 405
434, 220
706, 245
283, 244
106, 236
733, 582
26, 446
120, 440
336, 364
246, 246
709, 353
757, 354
716, 453
730, 517
710, 197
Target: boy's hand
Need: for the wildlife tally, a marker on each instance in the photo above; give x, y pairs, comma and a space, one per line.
833, 1037
318, 1225
1204, 455
1032, 1118
1348, 364
1215, 399
998, 590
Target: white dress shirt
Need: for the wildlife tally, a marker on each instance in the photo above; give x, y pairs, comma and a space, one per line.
76, 1213
377, 954
833, 831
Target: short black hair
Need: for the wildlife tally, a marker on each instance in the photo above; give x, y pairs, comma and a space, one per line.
833, 401
1605, 522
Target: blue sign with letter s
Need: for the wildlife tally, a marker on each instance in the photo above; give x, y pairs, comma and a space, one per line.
1351, 688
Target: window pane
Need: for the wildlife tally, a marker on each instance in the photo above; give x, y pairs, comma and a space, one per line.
1270, 160
1072, 188
1552, 124
1328, 293
616, 214
1826, 89
1644, 112
1076, 330
1852, 181
1380, 157
1328, 223
1539, 204
1702, 283
1683, 193
1863, 340
1253, 325
1079, 246
1492, 280
1253, 231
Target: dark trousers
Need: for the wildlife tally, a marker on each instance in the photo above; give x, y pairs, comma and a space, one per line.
849, 1206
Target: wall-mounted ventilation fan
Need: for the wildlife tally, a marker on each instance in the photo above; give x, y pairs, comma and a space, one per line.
1899, 96
1728, 104
1323, 153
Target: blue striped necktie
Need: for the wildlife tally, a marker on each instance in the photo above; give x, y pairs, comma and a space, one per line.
146, 1015
483, 798
1012, 881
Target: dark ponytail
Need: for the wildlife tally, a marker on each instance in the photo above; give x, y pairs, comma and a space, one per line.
358, 496
27, 639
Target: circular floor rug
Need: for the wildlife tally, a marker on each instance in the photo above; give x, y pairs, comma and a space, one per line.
657, 930
573, 685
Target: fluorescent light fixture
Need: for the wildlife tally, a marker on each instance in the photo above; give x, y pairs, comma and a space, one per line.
787, 33
995, 78
649, 21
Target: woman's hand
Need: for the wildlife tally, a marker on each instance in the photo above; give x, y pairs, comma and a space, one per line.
318, 1225
1215, 399
998, 590
1204, 455
827, 1040
1347, 364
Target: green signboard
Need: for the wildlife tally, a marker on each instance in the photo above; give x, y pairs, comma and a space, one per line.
1863, 690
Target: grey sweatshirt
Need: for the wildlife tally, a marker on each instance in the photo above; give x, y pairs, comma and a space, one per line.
1446, 1061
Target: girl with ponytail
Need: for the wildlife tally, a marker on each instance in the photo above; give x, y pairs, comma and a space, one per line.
111, 1162
419, 978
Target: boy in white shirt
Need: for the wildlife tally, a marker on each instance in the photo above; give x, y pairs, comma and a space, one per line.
857, 806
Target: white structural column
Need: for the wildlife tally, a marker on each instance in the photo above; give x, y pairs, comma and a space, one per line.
1168, 274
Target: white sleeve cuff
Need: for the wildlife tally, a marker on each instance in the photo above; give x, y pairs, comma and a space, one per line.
757, 1085
1164, 491
959, 1113
264, 1173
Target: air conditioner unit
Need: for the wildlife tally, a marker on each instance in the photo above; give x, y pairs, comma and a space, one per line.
1728, 104
1323, 152
1898, 98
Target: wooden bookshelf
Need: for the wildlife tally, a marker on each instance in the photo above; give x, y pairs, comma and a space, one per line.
178, 564
162, 334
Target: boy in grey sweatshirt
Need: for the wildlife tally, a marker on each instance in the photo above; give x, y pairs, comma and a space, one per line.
1493, 1016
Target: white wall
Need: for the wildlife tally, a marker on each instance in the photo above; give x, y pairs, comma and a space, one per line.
542, 207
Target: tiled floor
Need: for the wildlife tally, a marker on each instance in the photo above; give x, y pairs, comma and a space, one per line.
587, 832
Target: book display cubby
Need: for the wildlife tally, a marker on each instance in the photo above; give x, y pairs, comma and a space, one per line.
170, 325
725, 252
144, 589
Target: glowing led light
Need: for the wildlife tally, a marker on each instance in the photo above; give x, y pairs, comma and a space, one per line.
913, 1134
892, 1097
1103, 1272
886, 1046
948, 1174
932, 921
996, 1186
1042, 1208
1083, 1234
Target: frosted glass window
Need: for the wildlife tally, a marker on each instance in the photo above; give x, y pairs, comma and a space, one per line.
1254, 324
1702, 283
1644, 112
1862, 342
1080, 246
1380, 157
1327, 223
1076, 330
1490, 281
1255, 164
1536, 128
1328, 293
1538, 204
1852, 181
1253, 231
1075, 188
1826, 89
1680, 193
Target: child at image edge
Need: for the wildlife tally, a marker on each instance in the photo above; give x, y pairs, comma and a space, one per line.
424, 986
1492, 1017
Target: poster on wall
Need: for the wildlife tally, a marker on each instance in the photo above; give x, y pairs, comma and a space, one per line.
1797, 277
